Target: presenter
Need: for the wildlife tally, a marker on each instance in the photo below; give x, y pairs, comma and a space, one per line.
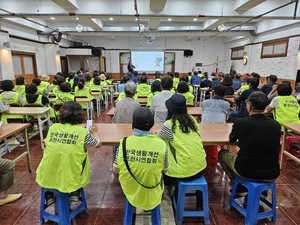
130, 67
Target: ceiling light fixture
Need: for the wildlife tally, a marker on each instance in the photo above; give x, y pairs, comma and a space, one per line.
195, 19
169, 19
136, 18
52, 18
77, 18
111, 18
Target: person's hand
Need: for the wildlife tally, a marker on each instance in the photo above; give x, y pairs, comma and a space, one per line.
274, 87
93, 129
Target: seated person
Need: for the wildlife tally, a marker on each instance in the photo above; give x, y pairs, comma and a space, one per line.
196, 80
186, 79
58, 82
6, 173
215, 110
143, 89
183, 89
187, 158
65, 165
7, 168
176, 80
65, 94
82, 91
125, 107
205, 82
236, 82
227, 82
20, 86
9, 97
42, 89
267, 88
144, 187
242, 112
124, 80
285, 107
32, 96
44, 83
158, 106
258, 137
135, 78
155, 89
215, 81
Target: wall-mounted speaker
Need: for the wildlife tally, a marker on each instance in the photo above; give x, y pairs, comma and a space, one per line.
96, 52
187, 52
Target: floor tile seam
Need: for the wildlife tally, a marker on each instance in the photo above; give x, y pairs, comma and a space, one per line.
25, 211
286, 214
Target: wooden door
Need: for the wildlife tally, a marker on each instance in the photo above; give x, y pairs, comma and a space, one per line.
64, 66
24, 65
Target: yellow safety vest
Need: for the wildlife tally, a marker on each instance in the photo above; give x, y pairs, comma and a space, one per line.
287, 110
186, 153
146, 156
65, 165
189, 97
143, 89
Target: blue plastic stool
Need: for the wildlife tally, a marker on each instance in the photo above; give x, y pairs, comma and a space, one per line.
200, 186
254, 191
155, 214
63, 206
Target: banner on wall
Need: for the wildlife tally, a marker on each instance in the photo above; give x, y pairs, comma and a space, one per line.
169, 57
124, 57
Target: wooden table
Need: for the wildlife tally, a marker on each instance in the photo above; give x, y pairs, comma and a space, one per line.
34, 111
296, 129
13, 128
194, 111
211, 134
87, 102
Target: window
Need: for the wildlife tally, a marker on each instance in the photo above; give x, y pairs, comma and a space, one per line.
272, 49
237, 53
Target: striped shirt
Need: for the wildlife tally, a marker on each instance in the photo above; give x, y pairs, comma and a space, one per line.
90, 140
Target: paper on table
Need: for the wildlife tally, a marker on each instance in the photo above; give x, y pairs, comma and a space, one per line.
1, 123
89, 123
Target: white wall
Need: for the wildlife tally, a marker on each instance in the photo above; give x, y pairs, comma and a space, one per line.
6, 64
205, 52
282, 67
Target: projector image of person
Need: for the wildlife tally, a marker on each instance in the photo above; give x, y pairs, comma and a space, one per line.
157, 62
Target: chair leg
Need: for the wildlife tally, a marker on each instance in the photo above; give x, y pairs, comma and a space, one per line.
42, 206
128, 214
155, 216
180, 205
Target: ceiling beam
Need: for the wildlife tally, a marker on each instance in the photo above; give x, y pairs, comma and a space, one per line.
212, 24
68, 5
157, 6
153, 23
242, 6
94, 23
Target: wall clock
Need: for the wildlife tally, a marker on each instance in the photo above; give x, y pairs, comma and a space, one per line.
245, 60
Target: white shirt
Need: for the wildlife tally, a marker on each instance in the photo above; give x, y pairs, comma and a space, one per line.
158, 106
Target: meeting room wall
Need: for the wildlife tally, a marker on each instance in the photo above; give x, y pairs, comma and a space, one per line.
205, 52
282, 67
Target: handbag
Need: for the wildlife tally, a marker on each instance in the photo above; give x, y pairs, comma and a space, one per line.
128, 168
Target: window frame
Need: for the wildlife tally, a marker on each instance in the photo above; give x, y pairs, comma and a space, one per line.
273, 44
237, 49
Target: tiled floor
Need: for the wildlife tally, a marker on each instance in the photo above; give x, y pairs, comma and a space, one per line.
106, 201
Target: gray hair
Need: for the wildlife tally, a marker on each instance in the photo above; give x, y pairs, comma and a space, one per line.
130, 88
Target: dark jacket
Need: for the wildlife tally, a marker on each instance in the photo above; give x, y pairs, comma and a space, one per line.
242, 99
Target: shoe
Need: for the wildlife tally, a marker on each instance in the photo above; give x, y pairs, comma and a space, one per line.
10, 198
74, 196
264, 194
22, 144
241, 190
50, 198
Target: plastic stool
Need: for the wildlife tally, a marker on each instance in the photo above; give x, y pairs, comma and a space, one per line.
289, 141
200, 186
155, 214
254, 190
63, 206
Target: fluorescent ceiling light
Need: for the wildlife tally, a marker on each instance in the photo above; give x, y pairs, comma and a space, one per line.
195, 19
77, 18
111, 18
169, 19
52, 18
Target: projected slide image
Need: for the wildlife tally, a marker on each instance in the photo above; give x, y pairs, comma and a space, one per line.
148, 61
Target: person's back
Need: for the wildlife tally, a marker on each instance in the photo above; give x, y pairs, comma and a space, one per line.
196, 80
215, 110
125, 107
185, 149
155, 89
20, 86
183, 89
135, 77
236, 82
32, 97
8, 96
158, 101
64, 95
267, 88
205, 82
285, 107
143, 89
257, 159
147, 159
